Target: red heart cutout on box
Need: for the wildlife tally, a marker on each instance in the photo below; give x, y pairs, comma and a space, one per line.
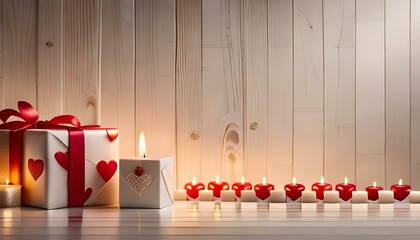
88, 192
112, 134
106, 170
35, 168
62, 159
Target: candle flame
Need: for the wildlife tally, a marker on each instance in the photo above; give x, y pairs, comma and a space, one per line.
400, 182
217, 178
242, 180
194, 181
264, 182
322, 180
374, 183
346, 181
294, 181
142, 145
7, 181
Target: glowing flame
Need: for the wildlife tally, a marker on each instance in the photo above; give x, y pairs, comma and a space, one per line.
142, 146
322, 180
7, 181
374, 184
346, 181
400, 182
242, 180
264, 181
194, 181
294, 181
217, 179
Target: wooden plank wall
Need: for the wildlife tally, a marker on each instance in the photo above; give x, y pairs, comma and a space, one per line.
275, 88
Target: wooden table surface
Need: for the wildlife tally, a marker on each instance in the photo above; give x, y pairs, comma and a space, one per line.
185, 222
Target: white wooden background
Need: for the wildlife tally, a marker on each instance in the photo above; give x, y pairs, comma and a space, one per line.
275, 88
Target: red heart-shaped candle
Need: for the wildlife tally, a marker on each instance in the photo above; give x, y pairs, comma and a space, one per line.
262, 190
345, 190
239, 186
294, 190
217, 187
373, 192
401, 191
320, 187
193, 188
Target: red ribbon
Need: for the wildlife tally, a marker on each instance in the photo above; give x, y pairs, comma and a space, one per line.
29, 116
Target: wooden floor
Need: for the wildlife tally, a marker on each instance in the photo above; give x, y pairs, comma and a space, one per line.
185, 222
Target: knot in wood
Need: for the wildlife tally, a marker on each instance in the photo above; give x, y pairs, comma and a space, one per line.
49, 44
195, 135
253, 126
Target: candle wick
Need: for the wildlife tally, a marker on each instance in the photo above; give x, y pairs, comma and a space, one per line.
144, 155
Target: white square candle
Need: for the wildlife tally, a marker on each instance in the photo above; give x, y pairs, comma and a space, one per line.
228, 200
206, 201
277, 196
248, 200
414, 196
331, 197
146, 183
359, 197
180, 195
309, 197
386, 196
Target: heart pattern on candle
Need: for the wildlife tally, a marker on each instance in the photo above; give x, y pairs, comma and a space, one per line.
36, 167
62, 159
140, 183
106, 170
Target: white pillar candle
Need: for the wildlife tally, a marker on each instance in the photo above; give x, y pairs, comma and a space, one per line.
331, 197
277, 196
359, 197
414, 196
180, 195
10, 195
308, 197
386, 196
227, 196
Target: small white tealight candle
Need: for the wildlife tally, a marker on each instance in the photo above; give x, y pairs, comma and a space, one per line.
414, 196
10, 195
386, 196
331, 197
359, 197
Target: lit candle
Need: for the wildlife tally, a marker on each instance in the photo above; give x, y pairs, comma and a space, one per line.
320, 187
373, 192
401, 191
294, 190
239, 186
262, 190
217, 187
193, 188
142, 145
10, 195
345, 189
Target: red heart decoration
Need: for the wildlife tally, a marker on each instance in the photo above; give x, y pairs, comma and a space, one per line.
106, 170
88, 192
294, 191
112, 134
35, 168
62, 159
138, 171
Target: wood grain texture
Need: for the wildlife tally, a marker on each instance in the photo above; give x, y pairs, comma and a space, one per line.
370, 90
50, 58
188, 91
415, 93
308, 91
280, 91
256, 87
155, 75
81, 60
222, 91
19, 44
339, 95
117, 71
397, 91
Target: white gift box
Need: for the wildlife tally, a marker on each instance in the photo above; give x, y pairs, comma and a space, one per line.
46, 159
153, 188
